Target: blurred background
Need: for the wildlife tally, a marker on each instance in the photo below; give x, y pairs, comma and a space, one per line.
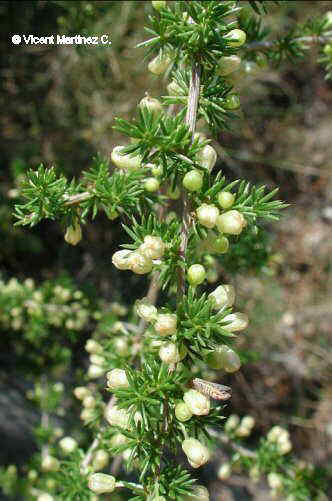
57, 108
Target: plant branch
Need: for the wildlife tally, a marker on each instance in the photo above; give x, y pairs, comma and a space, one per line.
223, 438
265, 45
186, 219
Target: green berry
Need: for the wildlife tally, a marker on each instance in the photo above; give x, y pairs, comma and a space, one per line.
235, 38
182, 412
151, 184
193, 180
232, 102
196, 274
158, 5
226, 199
221, 245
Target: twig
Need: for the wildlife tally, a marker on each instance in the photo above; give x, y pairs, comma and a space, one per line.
222, 437
191, 116
265, 45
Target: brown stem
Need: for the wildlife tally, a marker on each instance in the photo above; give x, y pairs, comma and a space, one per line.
265, 45
222, 437
186, 218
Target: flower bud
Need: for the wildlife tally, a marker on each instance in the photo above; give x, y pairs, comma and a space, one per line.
207, 157
193, 180
124, 160
157, 170
242, 431
73, 234
182, 412
276, 433
116, 417
68, 444
81, 392
235, 38
284, 445
228, 64
151, 184
223, 296
120, 345
174, 89
140, 264
248, 422
220, 245
207, 215
226, 199
118, 439
92, 346
120, 259
95, 371
152, 248
159, 4
223, 357
100, 460
198, 403
97, 360
50, 463
152, 104
198, 493
117, 378
159, 64
145, 309
101, 483
232, 361
87, 414
232, 422
224, 471
196, 274
171, 354
166, 324
197, 454
328, 19
232, 102
274, 480
236, 322
32, 475
89, 402
231, 222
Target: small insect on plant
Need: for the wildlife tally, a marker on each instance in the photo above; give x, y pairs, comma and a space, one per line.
213, 390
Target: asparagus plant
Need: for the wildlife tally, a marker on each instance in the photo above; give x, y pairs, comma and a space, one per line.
179, 211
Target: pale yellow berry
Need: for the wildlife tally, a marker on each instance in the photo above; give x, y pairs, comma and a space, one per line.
159, 4
73, 234
100, 460
197, 454
274, 480
236, 321
171, 354
152, 247
145, 309
81, 392
198, 403
152, 104
124, 160
223, 296
101, 483
228, 64
232, 423
166, 324
151, 184
120, 259
93, 346
89, 402
231, 222
117, 379
50, 463
140, 264
224, 471
68, 444
95, 371
199, 493
174, 89
182, 412
207, 215
207, 157
116, 417
159, 64
226, 199
235, 38
121, 346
